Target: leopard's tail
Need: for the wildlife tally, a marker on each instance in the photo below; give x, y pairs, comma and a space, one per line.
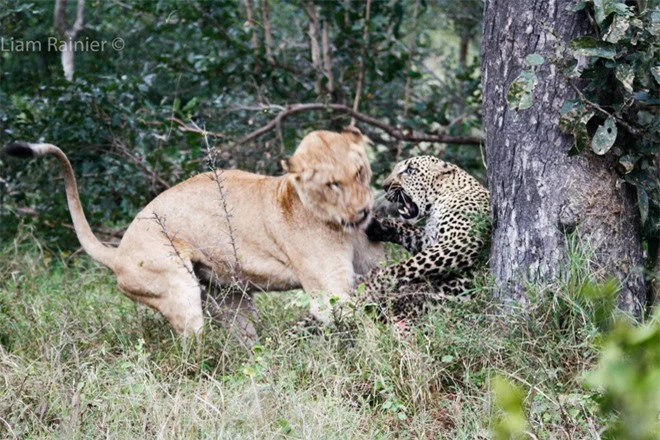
97, 250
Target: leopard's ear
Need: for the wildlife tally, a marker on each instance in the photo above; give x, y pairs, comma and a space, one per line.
442, 168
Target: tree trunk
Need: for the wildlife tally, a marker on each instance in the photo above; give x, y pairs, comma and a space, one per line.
67, 51
539, 194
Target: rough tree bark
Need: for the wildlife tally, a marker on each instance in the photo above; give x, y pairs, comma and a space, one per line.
539, 194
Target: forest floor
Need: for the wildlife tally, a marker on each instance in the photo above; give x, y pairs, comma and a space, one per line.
80, 360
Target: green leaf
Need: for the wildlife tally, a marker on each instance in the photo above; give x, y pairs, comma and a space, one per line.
642, 203
592, 47
190, 105
599, 11
577, 6
626, 75
519, 95
603, 8
604, 137
509, 399
617, 29
447, 359
628, 162
655, 71
574, 118
654, 26
534, 59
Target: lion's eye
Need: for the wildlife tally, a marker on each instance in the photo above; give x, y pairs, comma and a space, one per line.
358, 175
333, 186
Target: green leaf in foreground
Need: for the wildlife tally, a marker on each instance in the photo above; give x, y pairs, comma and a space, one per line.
655, 71
628, 380
519, 95
617, 29
534, 59
512, 423
604, 137
626, 75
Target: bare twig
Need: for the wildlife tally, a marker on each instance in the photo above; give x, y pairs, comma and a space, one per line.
365, 43
124, 151
310, 9
327, 61
194, 128
236, 272
254, 43
632, 130
160, 221
411, 50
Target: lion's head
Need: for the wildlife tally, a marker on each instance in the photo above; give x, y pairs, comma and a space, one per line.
331, 174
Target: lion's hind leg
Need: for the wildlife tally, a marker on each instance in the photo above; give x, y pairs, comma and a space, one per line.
168, 285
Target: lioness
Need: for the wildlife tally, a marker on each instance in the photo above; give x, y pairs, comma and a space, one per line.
303, 229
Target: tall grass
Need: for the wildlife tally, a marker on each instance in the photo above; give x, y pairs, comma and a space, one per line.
79, 360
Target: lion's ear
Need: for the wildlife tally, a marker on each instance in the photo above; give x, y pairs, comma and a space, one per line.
290, 166
354, 135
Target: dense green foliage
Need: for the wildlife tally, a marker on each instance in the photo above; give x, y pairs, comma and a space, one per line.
222, 68
616, 110
616, 75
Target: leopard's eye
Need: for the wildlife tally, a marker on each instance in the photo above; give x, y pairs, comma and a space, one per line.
409, 170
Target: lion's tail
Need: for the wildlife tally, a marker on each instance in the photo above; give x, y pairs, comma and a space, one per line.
97, 250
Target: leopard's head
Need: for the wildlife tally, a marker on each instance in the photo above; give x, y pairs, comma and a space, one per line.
414, 185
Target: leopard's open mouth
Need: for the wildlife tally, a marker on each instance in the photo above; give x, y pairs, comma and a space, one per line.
407, 208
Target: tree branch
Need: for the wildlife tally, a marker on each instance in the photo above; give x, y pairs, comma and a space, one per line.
268, 33
327, 61
310, 9
632, 130
393, 131
60, 16
365, 42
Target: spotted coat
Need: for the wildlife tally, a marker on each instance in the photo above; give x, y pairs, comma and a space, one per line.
455, 207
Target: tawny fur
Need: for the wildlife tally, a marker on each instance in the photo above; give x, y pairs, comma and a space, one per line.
303, 229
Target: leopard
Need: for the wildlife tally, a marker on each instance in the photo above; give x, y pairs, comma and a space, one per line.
455, 209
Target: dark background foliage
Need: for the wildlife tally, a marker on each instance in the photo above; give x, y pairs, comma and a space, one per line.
227, 67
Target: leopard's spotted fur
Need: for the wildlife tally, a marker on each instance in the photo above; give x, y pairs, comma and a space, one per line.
455, 207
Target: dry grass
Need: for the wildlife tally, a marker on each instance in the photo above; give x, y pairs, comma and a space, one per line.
79, 360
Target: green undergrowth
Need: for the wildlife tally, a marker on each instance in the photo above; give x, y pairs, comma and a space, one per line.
80, 360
